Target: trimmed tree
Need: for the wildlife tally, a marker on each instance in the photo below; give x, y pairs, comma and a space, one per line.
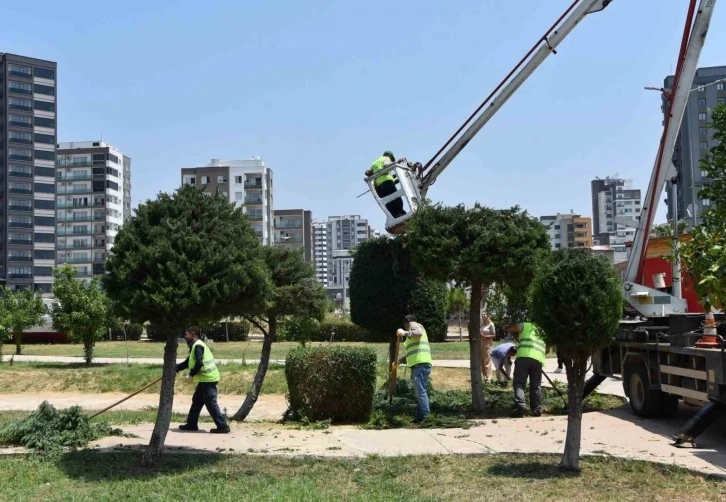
384, 287
81, 309
19, 310
477, 247
457, 305
183, 259
577, 303
295, 292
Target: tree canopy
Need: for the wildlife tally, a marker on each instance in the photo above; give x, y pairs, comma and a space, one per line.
19, 310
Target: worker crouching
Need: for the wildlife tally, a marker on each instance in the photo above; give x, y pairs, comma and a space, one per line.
418, 358
204, 372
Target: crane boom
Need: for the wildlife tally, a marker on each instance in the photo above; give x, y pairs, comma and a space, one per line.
547, 45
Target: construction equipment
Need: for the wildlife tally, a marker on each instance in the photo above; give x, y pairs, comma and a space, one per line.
126, 398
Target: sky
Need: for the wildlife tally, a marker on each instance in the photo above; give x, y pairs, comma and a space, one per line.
319, 89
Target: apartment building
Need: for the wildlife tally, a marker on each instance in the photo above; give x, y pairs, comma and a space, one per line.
248, 183
28, 132
320, 251
294, 228
568, 230
343, 234
615, 204
93, 200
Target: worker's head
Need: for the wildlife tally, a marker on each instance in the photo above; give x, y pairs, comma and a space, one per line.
389, 154
513, 328
192, 334
512, 351
408, 320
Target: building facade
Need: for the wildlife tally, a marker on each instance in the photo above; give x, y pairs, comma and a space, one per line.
343, 234
247, 183
294, 228
568, 230
695, 139
93, 199
28, 135
320, 251
615, 203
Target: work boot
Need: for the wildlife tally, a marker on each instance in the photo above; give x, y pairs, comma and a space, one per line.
518, 413
536, 413
558, 370
187, 427
221, 430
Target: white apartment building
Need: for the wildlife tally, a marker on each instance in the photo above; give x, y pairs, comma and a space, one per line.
343, 233
615, 203
248, 183
320, 251
93, 199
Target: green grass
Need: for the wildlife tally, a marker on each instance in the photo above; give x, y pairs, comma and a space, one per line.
90, 476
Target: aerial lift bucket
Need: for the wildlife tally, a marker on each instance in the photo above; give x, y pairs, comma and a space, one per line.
407, 185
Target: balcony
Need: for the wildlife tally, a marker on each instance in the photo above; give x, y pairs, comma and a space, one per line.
21, 242
75, 259
253, 185
254, 201
70, 233
76, 217
21, 74
24, 191
20, 208
20, 258
289, 240
20, 107
73, 245
75, 177
74, 163
20, 276
20, 141
65, 205
16, 224
20, 174
254, 216
288, 224
17, 123
73, 190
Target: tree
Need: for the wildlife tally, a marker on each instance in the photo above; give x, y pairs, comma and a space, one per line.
183, 259
19, 310
295, 293
666, 229
385, 287
577, 303
477, 247
81, 309
704, 256
457, 304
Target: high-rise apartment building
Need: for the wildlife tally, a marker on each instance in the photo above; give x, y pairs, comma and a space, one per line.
343, 234
568, 230
246, 182
93, 200
615, 203
28, 132
294, 228
695, 139
320, 251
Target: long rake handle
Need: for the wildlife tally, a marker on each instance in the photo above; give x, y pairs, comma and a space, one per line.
127, 397
394, 372
554, 387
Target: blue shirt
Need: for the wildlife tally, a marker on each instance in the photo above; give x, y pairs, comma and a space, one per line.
499, 353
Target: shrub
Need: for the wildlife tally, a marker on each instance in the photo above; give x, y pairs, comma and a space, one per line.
344, 331
133, 331
298, 329
238, 331
333, 382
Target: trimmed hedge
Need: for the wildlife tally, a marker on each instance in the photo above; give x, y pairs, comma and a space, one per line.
293, 330
331, 383
133, 332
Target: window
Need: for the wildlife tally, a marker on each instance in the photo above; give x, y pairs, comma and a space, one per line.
702, 116
703, 131
706, 202
20, 137
21, 205
22, 171
192, 181
45, 238
20, 104
44, 171
20, 120
18, 238
20, 187
44, 89
703, 145
221, 179
20, 222
20, 255
704, 174
239, 195
205, 180
44, 122
238, 180
19, 154
20, 87
44, 221
720, 101
44, 271
701, 88
44, 204
17, 70
47, 139
44, 106
701, 101
43, 288
45, 73
19, 272
113, 158
44, 155
44, 254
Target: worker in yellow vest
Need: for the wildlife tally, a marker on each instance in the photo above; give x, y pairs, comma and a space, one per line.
531, 354
204, 372
418, 358
385, 184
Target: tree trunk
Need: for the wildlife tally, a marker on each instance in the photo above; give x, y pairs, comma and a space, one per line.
18, 336
88, 344
576, 365
152, 455
477, 389
254, 392
461, 333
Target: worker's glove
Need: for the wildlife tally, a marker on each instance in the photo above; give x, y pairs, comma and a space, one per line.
400, 333
394, 366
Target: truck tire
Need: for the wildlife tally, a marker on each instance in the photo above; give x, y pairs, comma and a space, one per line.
669, 408
644, 402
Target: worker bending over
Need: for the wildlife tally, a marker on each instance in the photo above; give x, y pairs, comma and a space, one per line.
531, 353
385, 184
418, 358
502, 358
204, 372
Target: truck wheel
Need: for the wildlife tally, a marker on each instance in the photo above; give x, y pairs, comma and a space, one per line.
645, 403
669, 408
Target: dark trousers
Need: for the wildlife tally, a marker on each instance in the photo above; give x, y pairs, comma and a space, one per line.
524, 368
206, 395
560, 362
395, 207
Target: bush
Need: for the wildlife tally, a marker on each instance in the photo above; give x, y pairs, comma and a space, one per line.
133, 332
298, 329
333, 382
238, 331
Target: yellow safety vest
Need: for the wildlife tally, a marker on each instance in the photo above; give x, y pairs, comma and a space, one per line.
531, 344
379, 164
209, 372
418, 350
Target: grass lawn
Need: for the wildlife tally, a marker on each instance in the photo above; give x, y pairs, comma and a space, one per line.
91, 476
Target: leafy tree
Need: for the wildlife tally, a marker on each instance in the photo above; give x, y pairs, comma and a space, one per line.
666, 229
477, 247
704, 256
19, 310
296, 293
81, 309
577, 303
183, 259
385, 287
457, 305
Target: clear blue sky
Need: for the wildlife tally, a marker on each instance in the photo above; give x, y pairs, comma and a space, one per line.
319, 89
